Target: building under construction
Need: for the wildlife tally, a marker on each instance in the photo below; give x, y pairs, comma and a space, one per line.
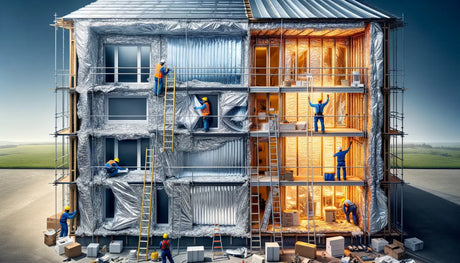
260, 170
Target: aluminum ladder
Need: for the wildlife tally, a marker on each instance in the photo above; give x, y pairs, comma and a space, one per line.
217, 244
274, 170
256, 237
146, 205
309, 170
169, 115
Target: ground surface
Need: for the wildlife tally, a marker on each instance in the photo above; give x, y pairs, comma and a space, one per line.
27, 198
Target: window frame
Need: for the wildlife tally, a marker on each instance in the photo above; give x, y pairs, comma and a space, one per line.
139, 158
104, 203
107, 115
138, 63
217, 116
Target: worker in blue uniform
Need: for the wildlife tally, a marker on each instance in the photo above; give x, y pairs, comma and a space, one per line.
112, 167
160, 71
63, 220
349, 207
319, 110
206, 111
165, 252
341, 161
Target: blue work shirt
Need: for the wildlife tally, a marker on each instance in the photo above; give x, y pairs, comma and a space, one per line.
66, 216
341, 155
345, 208
319, 108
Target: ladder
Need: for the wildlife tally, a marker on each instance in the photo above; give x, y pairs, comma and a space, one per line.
146, 205
274, 170
217, 243
169, 115
256, 237
309, 170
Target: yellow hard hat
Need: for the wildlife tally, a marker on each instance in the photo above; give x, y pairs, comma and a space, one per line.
67, 207
319, 99
204, 99
342, 200
165, 235
117, 160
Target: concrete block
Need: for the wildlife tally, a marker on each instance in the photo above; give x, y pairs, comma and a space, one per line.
195, 254
413, 244
378, 244
335, 246
272, 252
62, 243
305, 249
92, 250
257, 259
116, 246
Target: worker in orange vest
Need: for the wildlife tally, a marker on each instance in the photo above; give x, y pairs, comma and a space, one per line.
160, 71
165, 252
206, 111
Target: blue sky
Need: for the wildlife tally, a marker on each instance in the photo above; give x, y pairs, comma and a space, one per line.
431, 57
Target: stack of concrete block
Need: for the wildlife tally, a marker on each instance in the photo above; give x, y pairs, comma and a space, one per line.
291, 218
413, 244
378, 244
62, 243
92, 250
272, 252
195, 254
116, 246
335, 246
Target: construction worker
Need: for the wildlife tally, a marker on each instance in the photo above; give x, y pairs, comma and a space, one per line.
206, 111
63, 221
347, 207
112, 167
165, 252
319, 109
160, 71
341, 161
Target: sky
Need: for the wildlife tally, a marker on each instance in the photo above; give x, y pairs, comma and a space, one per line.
432, 72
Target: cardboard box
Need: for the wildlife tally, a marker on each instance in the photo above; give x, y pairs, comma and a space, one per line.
92, 250
305, 249
329, 213
195, 254
61, 243
394, 251
272, 252
116, 246
52, 222
50, 237
73, 250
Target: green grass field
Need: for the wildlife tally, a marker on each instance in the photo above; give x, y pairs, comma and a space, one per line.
27, 156
425, 156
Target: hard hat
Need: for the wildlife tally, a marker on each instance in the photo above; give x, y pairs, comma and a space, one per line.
117, 160
319, 99
204, 99
163, 61
165, 235
342, 200
339, 148
67, 207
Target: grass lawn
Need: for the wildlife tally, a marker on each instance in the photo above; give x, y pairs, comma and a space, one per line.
27, 156
428, 157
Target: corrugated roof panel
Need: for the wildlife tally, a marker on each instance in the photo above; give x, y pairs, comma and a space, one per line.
337, 9
160, 9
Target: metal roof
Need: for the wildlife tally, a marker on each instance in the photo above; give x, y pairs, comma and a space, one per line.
315, 9
160, 9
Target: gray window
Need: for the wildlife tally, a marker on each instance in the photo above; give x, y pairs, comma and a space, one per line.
127, 109
162, 207
130, 152
127, 63
109, 203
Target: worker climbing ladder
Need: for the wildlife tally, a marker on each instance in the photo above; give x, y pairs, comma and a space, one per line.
169, 114
274, 170
309, 170
256, 237
146, 205
217, 244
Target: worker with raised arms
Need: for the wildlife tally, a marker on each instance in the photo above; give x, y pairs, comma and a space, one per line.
341, 161
319, 110
160, 71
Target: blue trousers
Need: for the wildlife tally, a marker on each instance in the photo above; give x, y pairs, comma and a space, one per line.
352, 210
158, 86
206, 122
321, 119
344, 169
111, 171
64, 229
166, 254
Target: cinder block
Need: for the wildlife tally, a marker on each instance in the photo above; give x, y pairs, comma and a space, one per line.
195, 254
378, 244
272, 252
116, 246
413, 244
335, 246
92, 250
61, 244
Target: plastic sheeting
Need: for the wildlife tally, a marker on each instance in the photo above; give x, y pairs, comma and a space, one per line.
378, 208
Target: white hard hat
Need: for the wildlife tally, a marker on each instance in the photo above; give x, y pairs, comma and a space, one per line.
339, 148
162, 60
